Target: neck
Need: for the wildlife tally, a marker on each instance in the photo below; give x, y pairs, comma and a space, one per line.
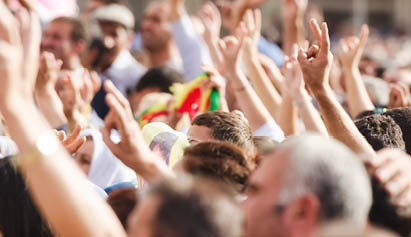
72, 64
160, 56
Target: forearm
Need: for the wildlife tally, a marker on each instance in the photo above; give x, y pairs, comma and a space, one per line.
51, 107
339, 124
191, 46
288, 117
215, 54
357, 95
71, 208
293, 33
248, 100
310, 117
263, 87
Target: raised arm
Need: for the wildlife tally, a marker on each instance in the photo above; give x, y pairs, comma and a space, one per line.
45, 93
301, 100
132, 149
315, 64
351, 50
293, 23
71, 208
191, 46
250, 104
258, 78
211, 19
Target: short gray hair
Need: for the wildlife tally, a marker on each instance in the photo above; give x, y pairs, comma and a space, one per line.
333, 173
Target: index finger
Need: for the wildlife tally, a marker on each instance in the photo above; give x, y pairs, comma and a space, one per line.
316, 30
365, 31
325, 39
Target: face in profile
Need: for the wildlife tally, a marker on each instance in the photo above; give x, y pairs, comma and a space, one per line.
84, 156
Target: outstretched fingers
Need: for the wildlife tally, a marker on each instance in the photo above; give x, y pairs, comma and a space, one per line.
325, 40
316, 30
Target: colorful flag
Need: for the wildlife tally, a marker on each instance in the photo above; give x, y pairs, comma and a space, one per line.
151, 113
189, 98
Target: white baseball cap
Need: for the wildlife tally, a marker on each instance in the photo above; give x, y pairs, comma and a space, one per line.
115, 13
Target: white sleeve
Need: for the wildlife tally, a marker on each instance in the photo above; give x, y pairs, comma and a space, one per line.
7, 147
272, 130
192, 48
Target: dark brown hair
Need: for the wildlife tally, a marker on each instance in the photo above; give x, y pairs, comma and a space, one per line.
123, 201
222, 161
381, 131
228, 127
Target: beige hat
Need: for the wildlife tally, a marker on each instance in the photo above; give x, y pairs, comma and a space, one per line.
115, 13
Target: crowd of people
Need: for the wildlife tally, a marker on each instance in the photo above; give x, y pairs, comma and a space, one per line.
306, 138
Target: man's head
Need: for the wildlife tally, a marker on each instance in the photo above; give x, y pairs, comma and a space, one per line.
381, 131
157, 79
65, 37
306, 185
402, 116
222, 126
123, 201
116, 23
155, 27
186, 207
222, 161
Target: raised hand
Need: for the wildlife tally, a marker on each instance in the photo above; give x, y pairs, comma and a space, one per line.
131, 150
252, 23
294, 8
46, 95
391, 167
211, 19
293, 74
73, 142
352, 48
177, 9
91, 84
316, 62
30, 31
230, 48
48, 72
399, 96
11, 57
